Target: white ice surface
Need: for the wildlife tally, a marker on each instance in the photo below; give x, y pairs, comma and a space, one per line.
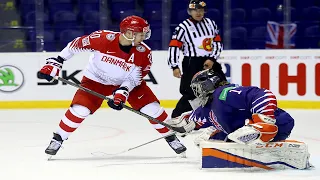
25, 134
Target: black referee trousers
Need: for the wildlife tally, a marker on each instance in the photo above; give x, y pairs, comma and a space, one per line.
190, 66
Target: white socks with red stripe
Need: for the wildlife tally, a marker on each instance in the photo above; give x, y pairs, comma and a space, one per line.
156, 111
72, 120
77, 113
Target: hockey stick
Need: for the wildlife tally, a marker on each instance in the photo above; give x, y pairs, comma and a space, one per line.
177, 129
127, 150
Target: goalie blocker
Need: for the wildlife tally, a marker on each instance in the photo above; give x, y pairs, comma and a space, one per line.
274, 155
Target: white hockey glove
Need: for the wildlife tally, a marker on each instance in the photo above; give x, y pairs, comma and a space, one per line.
183, 121
205, 135
258, 131
51, 69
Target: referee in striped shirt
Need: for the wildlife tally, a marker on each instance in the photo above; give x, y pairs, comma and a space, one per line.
201, 45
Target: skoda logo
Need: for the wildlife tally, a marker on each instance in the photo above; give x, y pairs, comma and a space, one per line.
11, 78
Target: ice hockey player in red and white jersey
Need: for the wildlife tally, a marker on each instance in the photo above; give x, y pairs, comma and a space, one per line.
119, 62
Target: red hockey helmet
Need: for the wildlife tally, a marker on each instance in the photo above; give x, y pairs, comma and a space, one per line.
135, 24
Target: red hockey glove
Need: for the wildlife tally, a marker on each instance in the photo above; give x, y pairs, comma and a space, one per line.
120, 97
51, 69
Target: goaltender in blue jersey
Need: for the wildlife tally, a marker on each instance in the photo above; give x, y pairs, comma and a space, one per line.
230, 105
227, 109
247, 115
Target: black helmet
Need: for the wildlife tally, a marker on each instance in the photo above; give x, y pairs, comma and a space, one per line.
196, 4
204, 83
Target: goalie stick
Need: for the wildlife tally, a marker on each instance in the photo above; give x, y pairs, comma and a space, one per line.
177, 129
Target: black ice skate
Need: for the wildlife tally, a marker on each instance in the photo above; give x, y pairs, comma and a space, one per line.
54, 145
175, 144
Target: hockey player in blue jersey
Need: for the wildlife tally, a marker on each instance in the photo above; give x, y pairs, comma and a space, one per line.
241, 115
246, 115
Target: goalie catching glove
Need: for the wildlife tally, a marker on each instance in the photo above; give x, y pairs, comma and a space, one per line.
258, 131
183, 121
206, 134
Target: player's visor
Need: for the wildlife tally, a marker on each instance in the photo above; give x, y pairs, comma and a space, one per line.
144, 35
147, 32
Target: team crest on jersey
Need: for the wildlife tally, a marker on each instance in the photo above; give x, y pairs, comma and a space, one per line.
141, 48
86, 41
206, 44
111, 37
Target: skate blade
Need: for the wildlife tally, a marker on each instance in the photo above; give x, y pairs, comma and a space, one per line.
182, 155
49, 157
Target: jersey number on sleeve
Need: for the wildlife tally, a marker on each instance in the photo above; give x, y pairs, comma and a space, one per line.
236, 91
97, 34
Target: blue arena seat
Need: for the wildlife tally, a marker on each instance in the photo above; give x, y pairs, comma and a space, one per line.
129, 12
153, 11
49, 41
91, 21
64, 20
279, 15
238, 37
181, 16
118, 8
249, 5
301, 4
67, 36
60, 5
152, 5
238, 16
257, 39
88, 5
176, 8
215, 15
261, 15
27, 6
312, 37
29, 19
311, 13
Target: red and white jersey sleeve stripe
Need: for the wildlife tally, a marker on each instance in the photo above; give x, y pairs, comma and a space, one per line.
79, 44
96, 41
265, 104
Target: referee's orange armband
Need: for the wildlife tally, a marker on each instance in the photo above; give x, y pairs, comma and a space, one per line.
217, 38
175, 43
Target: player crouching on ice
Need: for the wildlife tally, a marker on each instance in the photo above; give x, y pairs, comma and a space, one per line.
248, 118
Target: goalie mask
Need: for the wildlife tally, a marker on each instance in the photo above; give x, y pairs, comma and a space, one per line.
204, 83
